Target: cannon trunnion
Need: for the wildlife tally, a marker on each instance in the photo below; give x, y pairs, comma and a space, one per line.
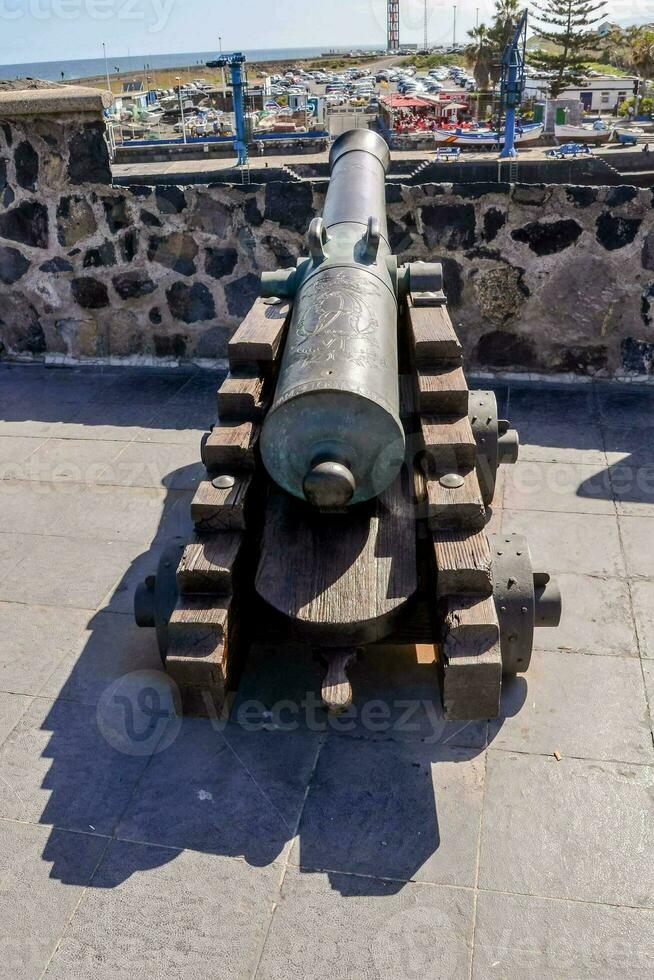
349, 480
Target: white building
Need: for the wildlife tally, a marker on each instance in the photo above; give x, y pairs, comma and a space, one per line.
600, 94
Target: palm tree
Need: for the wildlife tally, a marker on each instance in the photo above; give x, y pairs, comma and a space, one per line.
480, 53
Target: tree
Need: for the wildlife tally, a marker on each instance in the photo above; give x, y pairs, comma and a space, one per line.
567, 26
640, 43
480, 54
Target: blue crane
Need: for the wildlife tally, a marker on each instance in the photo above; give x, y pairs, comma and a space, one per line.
235, 63
512, 83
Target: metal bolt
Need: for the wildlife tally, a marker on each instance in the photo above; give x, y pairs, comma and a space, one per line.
452, 481
224, 482
273, 301
525, 610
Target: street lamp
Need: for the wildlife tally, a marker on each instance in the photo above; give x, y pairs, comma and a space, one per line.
181, 106
106, 65
220, 48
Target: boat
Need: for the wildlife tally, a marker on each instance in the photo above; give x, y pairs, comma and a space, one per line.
529, 133
596, 134
624, 133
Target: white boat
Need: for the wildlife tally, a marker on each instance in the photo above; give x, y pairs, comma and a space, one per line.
596, 133
624, 133
486, 137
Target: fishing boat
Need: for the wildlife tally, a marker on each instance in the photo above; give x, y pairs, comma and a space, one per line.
595, 134
480, 138
624, 133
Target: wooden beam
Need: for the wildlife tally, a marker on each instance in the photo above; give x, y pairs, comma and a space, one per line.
458, 508
207, 564
241, 397
213, 509
463, 563
230, 446
259, 337
433, 336
443, 391
471, 659
449, 443
197, 631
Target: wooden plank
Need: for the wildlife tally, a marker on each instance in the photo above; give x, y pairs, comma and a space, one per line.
408, 396
198, 650
463, 563
449, 443
471, 659
260, 335
341, 579
472, 620
230, 446
207, 564
242, 397
213, 509
457, 508
444, 391
433, 336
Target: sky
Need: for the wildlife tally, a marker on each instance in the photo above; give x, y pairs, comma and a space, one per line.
49, 30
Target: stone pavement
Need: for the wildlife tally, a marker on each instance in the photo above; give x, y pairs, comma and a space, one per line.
386, 846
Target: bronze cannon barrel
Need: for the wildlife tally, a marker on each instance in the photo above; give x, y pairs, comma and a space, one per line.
333, 435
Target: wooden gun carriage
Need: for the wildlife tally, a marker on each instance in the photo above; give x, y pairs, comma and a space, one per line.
348, 479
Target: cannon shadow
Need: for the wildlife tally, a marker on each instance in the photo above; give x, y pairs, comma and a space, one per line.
380, 793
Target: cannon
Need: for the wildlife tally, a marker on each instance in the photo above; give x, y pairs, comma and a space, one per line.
350, 479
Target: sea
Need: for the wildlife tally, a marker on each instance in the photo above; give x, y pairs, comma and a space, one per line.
57, 71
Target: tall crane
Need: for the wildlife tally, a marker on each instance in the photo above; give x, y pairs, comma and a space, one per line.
235, 63
512, 84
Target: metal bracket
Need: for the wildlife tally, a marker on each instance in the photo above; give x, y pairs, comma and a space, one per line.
372, 238
317, 238
155, 599
425, 283
497, 442
523, 599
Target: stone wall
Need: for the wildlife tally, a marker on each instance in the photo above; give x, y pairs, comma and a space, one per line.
538, 278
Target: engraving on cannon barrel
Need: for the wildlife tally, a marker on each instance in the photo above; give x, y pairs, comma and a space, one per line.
336, 322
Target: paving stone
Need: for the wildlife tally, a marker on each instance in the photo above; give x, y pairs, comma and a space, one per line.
588, 707
573, 543
64, 571
120, 598
397, 810
630, 444
633, 488
396, 696
623, 406
175, 467
596, 618
224, 790
14, 451
642, 594
417, 933
185, 914
34, 640
553, 441
35, 907
114, 646
80, 461
522, 938
40, 508
12, 708
570, 829
565, 487
648, 674
57, 767
638, 542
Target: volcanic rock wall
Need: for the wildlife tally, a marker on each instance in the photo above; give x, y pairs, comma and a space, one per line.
538, 278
